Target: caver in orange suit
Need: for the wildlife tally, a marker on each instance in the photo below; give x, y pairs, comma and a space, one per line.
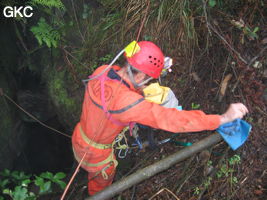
126, 105
123, 104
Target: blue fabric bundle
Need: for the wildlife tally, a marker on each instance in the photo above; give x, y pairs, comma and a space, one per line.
235, 133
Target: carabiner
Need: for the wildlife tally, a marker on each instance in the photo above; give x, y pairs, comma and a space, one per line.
125, 153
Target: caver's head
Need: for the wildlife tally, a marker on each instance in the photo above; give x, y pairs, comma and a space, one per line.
143, 58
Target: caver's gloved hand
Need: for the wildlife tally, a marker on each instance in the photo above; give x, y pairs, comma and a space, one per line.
235, 133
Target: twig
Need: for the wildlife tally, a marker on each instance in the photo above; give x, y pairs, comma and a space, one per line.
143, 22
133, 193
221, 37
74, 74
223, 75
256, 57
186, 178
214, 171
67, 52
261, 111
76, 19
248, 65
162, 191
223, 86
20, 38
185, 167
205, 13
240, 186
225, 41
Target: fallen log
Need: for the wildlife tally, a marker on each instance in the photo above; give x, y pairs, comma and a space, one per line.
155, 168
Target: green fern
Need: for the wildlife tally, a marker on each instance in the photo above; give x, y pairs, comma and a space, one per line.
49, 3
43, 32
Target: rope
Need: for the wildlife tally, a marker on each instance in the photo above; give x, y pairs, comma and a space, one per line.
30, 115
73, 176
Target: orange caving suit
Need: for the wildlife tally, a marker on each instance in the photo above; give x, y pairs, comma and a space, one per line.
125, 105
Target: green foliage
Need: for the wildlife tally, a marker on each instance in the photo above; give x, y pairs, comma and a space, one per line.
111, 20
107, 3
106, 59
195, 106
247, 31
17, 184
49, 33
196, 191
227, 169
43, 32
209, 163
49, 3
19, 178
207, 182
54, 178
148, 38
252, 34
87, 11
235, 160
212, 3
20, 193
250, 119
225, 172
100, 61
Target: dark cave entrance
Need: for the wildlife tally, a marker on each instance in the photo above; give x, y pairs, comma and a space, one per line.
43, 149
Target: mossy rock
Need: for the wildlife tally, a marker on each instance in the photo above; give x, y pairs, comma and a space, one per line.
60, 91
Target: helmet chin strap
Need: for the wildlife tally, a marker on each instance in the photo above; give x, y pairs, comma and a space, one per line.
131, 76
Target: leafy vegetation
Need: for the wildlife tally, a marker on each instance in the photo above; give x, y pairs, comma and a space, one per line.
45, 33
225, 171
195, 106
49, 3
19, 186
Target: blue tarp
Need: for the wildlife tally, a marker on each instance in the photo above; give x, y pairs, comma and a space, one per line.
235, 133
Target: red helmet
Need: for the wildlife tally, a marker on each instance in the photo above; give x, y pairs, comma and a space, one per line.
148, 58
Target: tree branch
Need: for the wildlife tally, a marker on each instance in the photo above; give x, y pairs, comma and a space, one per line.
155, 168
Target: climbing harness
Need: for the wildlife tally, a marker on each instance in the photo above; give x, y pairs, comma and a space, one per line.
116, 144
110, 159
